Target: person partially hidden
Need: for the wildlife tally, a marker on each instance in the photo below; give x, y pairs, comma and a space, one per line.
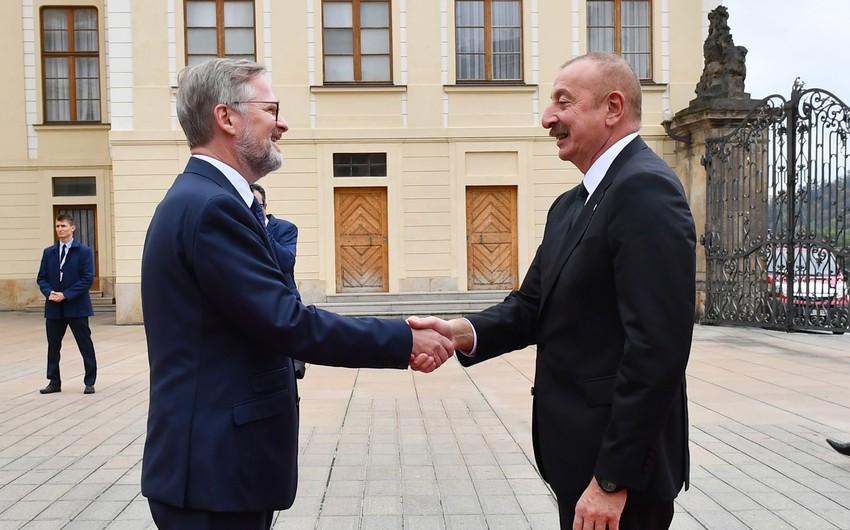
841, 447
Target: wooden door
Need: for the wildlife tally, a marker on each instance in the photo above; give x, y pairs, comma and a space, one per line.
360, 220
491, 238
85, 220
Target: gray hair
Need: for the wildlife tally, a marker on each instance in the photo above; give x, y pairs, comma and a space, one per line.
616, 74
203, 86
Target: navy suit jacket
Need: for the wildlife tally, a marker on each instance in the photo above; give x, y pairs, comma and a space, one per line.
222, 329
610, 306
77, 278
284, 238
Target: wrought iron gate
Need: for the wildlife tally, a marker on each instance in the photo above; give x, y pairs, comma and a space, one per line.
776, 236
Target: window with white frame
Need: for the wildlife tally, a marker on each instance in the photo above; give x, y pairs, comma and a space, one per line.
356, 41
219, 28
623, 27
70, 64
488, 40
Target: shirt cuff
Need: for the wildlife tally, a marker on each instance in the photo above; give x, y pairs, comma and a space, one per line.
471, 353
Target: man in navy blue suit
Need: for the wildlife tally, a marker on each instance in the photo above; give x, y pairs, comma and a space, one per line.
609, 302
65, 277
284, 237
223, 326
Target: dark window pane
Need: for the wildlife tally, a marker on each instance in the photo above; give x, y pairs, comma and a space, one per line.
74, 187
339, 41
360, 164
84, 219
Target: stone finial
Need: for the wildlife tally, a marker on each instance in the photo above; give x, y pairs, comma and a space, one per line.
724, 71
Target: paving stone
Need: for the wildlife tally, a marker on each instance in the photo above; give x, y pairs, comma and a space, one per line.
423, 522
376, 454
466, 522
461, 505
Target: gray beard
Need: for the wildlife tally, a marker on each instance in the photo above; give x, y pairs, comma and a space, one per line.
260, 161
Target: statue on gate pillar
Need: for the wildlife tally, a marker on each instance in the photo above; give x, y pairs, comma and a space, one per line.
724, 71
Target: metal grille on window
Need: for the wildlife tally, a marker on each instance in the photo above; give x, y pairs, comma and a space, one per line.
360, 164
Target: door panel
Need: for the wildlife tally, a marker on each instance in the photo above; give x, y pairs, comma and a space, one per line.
491, 240
360, 219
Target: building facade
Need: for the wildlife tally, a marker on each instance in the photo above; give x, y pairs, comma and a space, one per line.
415, 159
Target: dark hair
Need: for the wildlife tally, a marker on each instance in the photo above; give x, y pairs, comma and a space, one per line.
257, 187
65, 217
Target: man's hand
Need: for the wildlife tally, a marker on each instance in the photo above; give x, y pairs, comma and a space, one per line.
598, 510
56, 296
430, 350
422, 363
458, 330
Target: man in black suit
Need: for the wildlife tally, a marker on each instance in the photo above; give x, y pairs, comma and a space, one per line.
65, 277
223, 327
609, 302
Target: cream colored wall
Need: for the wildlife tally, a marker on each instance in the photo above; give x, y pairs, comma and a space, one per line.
32, 154
439, 137
20, 241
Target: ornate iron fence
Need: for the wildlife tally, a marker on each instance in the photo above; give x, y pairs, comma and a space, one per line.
776, 237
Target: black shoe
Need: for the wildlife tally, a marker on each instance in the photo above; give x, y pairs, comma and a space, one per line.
51, 388
89, 389
841, 447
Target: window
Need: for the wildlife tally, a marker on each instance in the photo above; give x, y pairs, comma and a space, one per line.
356, 40
623, 27
219, 28
74, 186
70, 64
360, 164
488, 36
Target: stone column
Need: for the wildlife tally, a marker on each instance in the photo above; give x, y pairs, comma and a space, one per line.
706, 117
720, 106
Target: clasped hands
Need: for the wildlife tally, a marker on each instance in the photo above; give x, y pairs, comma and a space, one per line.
56, 296
435, 340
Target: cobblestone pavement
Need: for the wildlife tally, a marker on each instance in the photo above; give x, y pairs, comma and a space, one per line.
388, 449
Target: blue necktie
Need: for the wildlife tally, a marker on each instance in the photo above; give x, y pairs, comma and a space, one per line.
258, 213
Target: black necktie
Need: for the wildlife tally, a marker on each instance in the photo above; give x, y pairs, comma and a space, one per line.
581, 198
62, 255
258, 212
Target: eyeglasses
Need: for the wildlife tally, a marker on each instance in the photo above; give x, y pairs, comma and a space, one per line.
275, 103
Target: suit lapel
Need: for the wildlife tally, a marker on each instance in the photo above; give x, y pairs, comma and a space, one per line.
566, 238
207, 170
565, 244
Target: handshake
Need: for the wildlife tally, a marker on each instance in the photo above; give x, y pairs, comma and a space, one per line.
435, 340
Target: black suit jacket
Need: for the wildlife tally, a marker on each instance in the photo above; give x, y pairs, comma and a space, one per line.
610, 306
222, 329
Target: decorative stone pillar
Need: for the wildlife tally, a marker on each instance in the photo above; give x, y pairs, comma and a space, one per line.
720, 106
